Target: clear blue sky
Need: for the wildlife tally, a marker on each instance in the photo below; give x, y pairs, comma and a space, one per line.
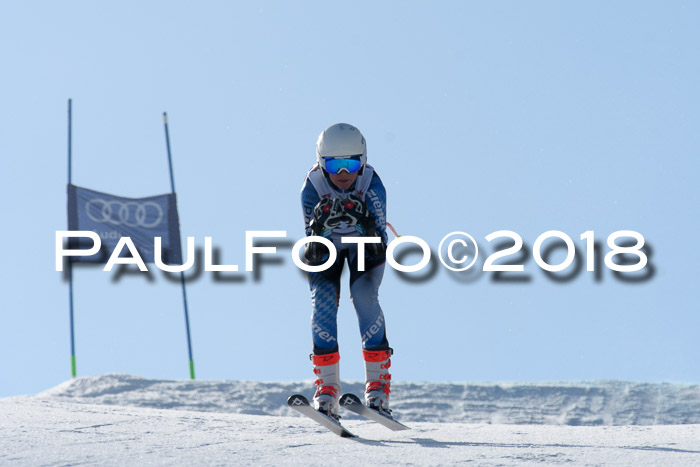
479, 116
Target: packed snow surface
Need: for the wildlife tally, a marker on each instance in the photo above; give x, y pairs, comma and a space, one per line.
127, 420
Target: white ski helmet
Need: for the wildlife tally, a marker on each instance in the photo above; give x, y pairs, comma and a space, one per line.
341, 140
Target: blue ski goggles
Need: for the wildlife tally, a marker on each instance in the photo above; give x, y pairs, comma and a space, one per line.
350, 164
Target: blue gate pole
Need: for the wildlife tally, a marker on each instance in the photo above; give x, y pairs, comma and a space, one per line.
182, 274
70, 263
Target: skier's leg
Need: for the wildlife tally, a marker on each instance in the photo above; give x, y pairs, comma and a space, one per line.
325, 294
364, 289
364, 294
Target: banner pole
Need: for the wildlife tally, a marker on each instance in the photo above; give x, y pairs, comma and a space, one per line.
70, 263
182, 274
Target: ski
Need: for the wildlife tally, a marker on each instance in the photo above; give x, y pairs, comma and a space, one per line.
301, 405
354, 404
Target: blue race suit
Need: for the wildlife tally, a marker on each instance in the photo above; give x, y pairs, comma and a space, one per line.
364, 285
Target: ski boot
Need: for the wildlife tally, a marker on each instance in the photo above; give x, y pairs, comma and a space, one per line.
327, 371
378, 379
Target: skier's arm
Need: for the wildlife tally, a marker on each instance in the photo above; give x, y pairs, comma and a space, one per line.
376, 205
309, 199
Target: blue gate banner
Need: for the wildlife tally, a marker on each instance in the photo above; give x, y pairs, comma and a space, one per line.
113, 217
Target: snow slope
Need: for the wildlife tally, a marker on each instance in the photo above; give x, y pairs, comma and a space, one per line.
596, 403
126, 420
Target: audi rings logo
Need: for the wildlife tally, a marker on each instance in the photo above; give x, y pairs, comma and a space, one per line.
146, 214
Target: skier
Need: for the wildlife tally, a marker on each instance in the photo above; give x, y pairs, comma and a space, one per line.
343, 196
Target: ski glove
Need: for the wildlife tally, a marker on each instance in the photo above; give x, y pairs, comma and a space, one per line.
355, 211
357, 214
328, 214
315, 253
375, 251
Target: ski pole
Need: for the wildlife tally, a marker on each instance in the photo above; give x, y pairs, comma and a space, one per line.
393, 230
